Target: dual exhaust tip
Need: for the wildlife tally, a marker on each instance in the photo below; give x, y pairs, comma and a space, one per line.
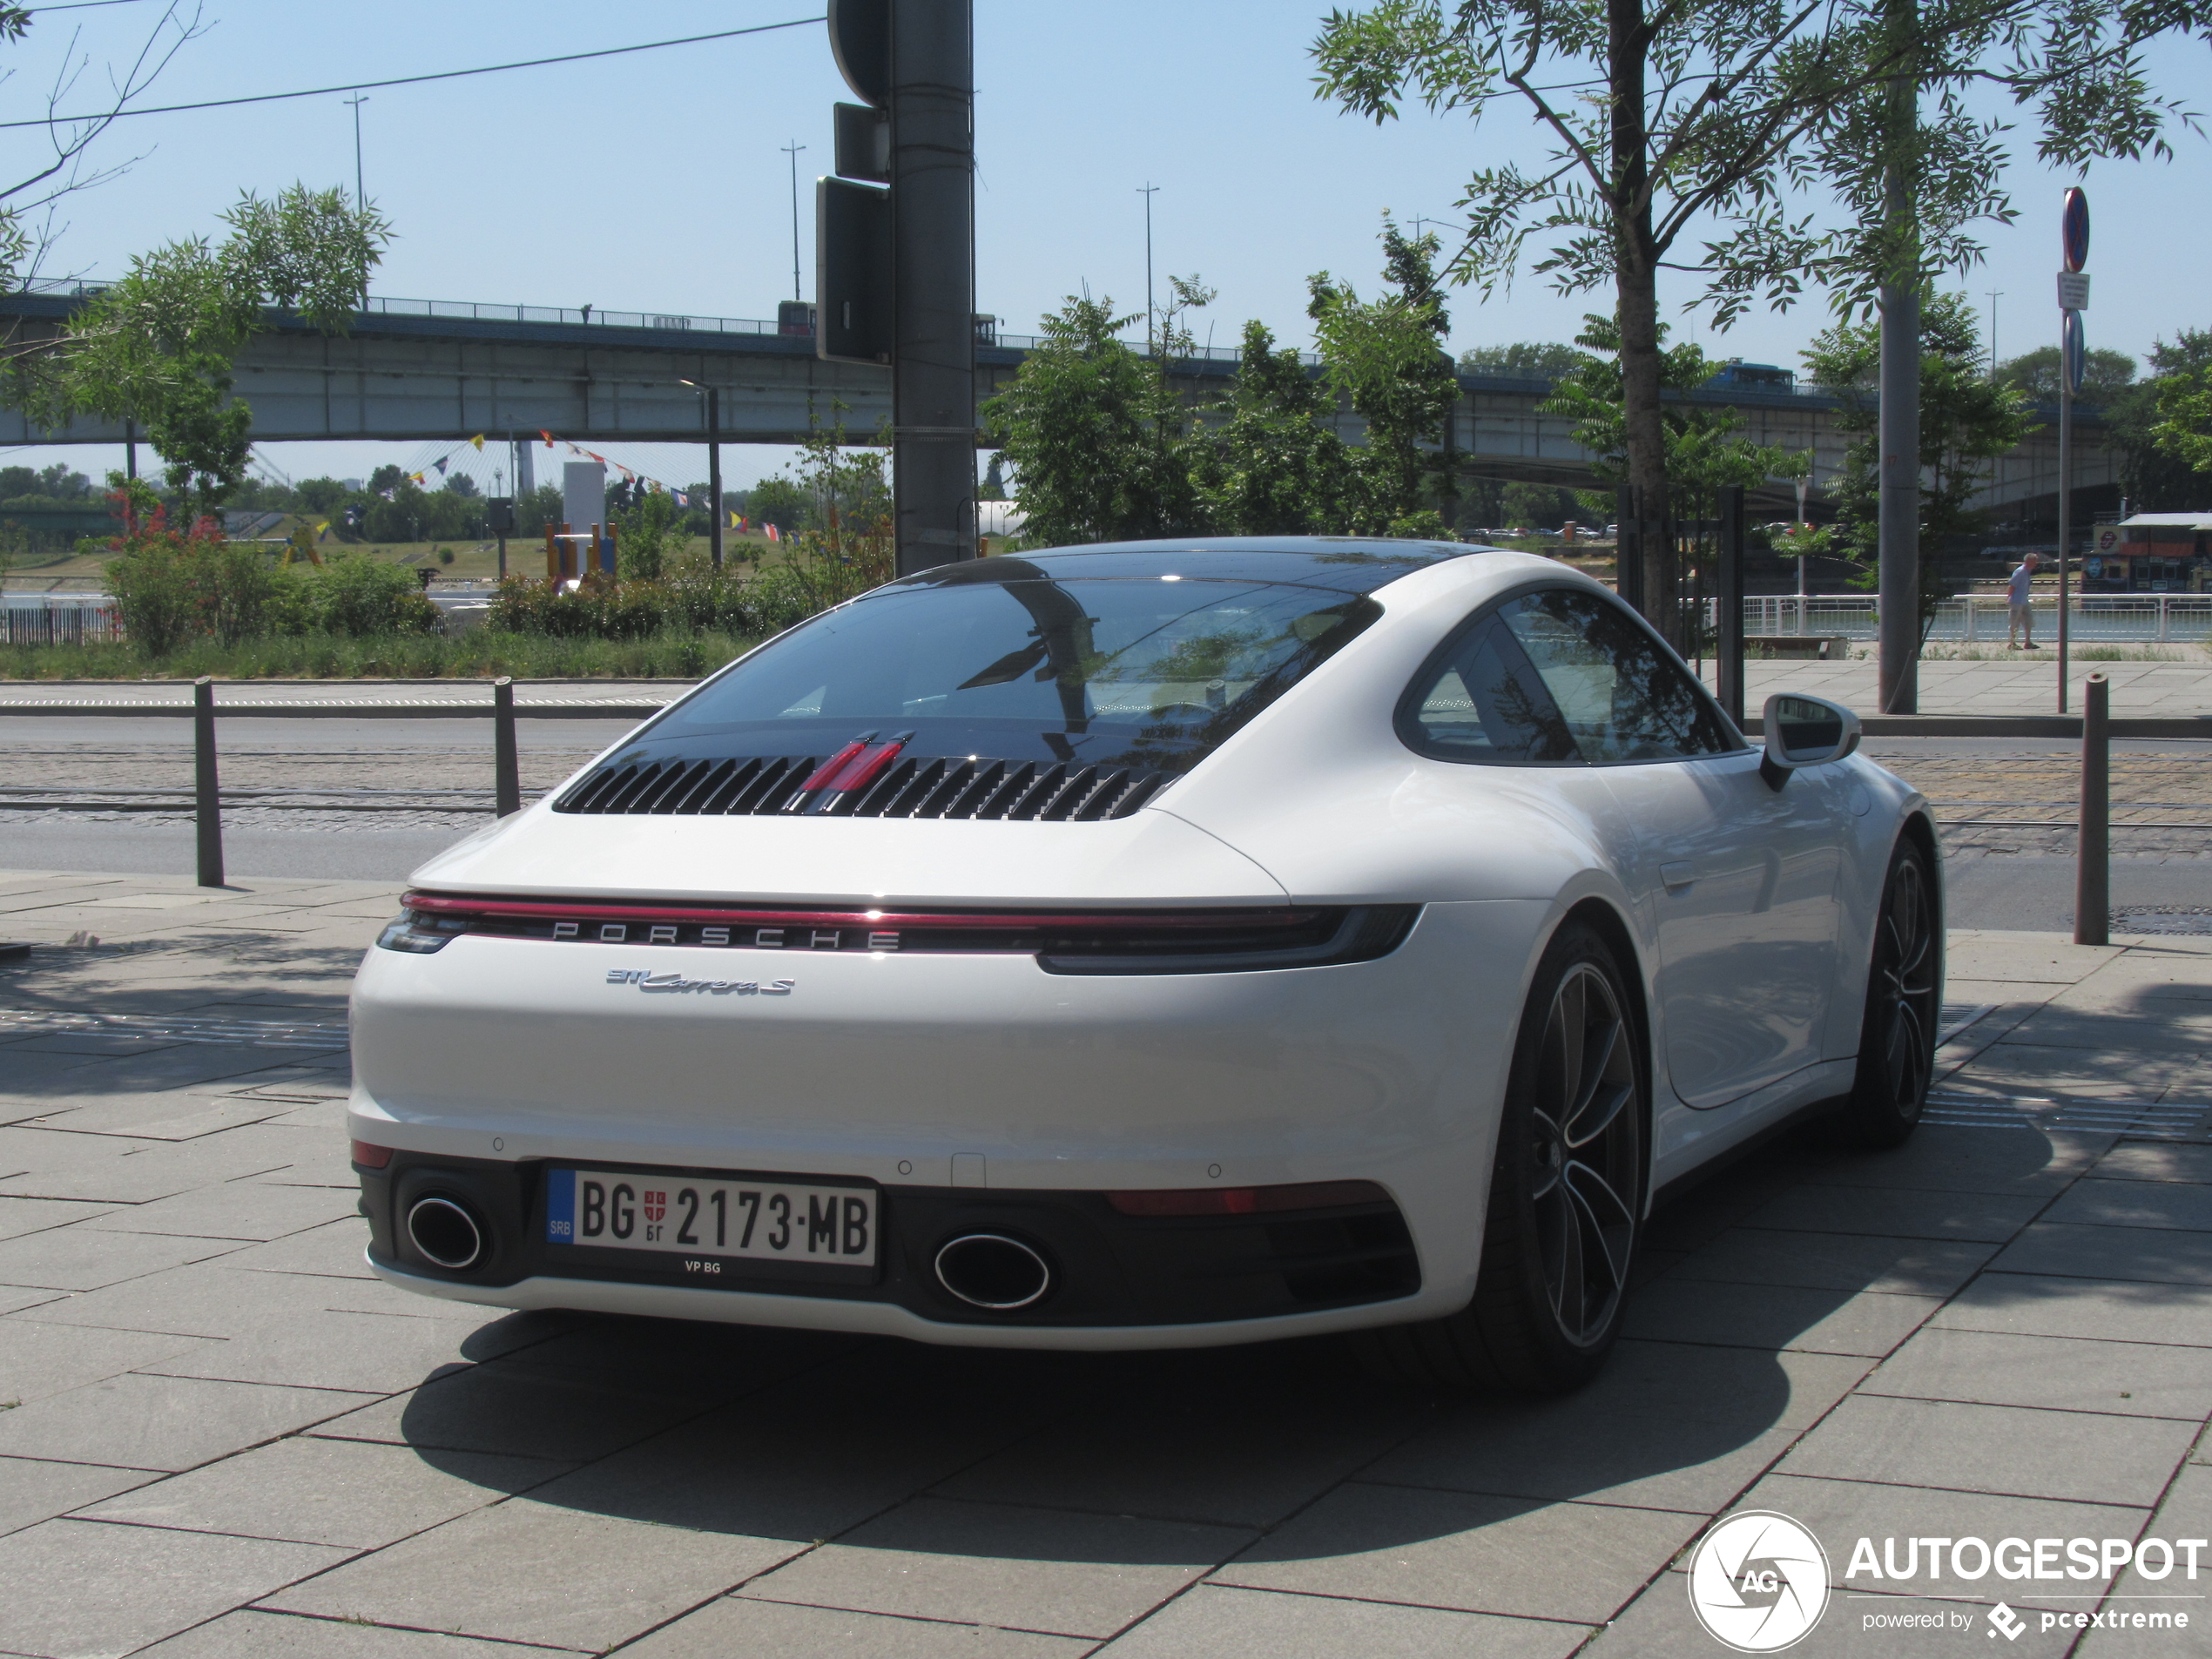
446, 1233
993, 1271
987, 1271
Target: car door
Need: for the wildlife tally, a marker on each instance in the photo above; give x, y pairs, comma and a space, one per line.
1738, 881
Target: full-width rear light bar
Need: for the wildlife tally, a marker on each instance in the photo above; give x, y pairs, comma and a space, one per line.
1063, 941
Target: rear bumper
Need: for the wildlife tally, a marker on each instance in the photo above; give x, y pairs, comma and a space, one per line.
887, 1319
1107, 1268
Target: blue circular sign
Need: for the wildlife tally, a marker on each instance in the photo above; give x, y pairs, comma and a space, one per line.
2074, 344
2074, 229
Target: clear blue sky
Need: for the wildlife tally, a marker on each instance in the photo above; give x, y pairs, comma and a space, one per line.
655, 183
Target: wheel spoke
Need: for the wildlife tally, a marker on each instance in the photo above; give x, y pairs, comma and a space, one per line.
1567, 1266
1597, 1073
1604, 1233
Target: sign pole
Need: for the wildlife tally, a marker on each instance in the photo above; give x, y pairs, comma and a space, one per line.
2073, 300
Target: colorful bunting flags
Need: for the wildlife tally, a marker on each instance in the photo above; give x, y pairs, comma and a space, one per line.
479, 441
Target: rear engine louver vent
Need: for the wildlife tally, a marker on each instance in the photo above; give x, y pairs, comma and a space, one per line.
1051, 791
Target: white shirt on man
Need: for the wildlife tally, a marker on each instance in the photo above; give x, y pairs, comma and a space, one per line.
2022, 576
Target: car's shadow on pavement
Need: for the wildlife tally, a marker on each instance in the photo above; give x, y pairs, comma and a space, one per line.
802, 1437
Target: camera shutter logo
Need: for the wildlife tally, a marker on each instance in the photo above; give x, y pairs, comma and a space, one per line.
1758, 1581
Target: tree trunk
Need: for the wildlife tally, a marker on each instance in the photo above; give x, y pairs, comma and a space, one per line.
1637, 273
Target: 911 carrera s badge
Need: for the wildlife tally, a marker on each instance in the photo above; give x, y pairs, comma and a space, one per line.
647, 979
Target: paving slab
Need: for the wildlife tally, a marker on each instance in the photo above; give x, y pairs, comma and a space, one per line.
734, 1625
1969, 1217
2054, 1305
2062, 1373
38, 1359
254, 1634
36, 1489
1477, 1554
1767, 1315
2073, 1455
520, 1571
1212, 1620
2183, 1205
82, 1590
1666, 1425
247, 1212
1846, 1261
489, 1409
352, 1494
2164, 1255
80, 1258
170, 1423
1053, 1571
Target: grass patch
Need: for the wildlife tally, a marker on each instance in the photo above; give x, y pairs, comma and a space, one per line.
480, 654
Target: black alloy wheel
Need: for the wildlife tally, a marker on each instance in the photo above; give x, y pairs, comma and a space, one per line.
1904, 991
1584, 1153
1566, 1193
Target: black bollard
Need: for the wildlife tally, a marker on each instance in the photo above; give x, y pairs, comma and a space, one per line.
507, 780
2093, 867
207, 795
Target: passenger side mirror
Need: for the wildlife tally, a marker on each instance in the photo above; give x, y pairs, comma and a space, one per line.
1804, 731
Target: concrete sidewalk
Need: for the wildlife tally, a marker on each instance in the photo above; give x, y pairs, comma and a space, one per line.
229, 1439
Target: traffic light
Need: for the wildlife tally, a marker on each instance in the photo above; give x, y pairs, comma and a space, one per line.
852, 271
896, 252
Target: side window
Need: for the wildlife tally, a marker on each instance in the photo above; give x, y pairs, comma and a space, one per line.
1485, 703
1619, 696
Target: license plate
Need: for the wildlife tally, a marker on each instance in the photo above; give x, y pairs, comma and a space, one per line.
706, 1220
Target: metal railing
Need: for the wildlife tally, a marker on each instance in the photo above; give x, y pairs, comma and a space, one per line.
2136, 618
68, 622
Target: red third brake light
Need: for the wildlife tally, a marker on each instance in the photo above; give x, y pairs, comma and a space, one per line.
1248, 1201
868, 768
822, 776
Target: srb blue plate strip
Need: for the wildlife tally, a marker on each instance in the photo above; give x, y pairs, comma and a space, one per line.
560, 1207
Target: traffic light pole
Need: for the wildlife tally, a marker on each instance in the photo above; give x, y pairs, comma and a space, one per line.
933, 209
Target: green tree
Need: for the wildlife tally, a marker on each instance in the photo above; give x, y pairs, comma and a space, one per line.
1703, 449
2106, 374
1966, 421
156, 347
2153, 477
777, 501
650, 537
2179, 421
1706, 119
1540, 360
321, 495
1271, 463
1387, 359
1095, 436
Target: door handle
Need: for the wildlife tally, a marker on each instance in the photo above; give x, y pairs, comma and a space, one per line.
1677, 876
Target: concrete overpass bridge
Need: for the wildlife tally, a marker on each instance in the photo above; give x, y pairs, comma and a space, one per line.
423, 369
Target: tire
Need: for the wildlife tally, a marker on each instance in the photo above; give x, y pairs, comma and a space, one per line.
1565, 1194
1904, 988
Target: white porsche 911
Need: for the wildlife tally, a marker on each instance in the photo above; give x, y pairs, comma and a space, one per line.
1150, 945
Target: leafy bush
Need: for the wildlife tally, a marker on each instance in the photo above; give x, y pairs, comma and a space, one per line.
353, 594
478, 654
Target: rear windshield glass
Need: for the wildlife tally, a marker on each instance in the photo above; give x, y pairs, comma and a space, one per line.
1007, 663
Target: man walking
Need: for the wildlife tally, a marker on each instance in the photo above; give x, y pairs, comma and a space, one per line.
2022, 634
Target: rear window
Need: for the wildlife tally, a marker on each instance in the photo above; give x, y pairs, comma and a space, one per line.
1145, 670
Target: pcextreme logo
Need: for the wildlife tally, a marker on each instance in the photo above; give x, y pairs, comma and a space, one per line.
1758, 1581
